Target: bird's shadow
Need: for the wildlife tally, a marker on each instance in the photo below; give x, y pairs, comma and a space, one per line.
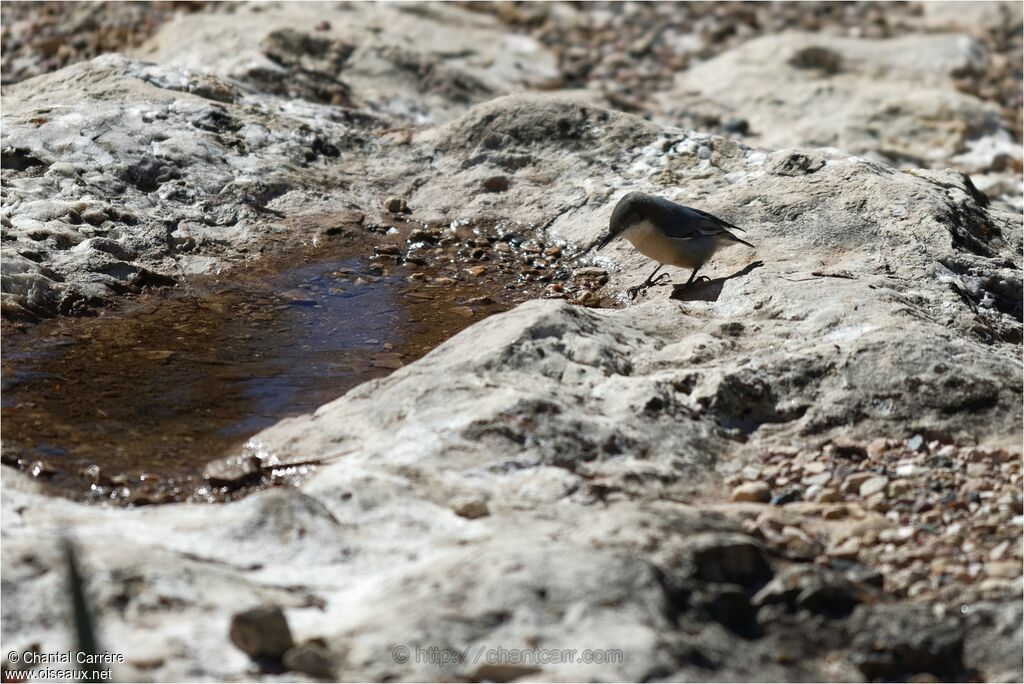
709, 290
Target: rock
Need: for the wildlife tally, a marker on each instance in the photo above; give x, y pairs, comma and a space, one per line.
592, 433
42, 469
734, 559
834, 513
310, 658
470, 507
233, 471
261, 632
811, 588
752, 491
915, 443
853, 482
828, 495
873, 485
415, 66
397, 205
788, 496
792, 77
898, 642
496, 184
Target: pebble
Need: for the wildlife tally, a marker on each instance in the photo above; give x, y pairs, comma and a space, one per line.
496, 184
853, 482
42, 469
783, 498
261, 632
757, 492
397, 205
310, 658
952, 525
233, 471
471, 507
872, 485
834, 513
829, 495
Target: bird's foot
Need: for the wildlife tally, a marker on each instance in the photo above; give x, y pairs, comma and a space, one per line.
690, 283
635, 290
659, 278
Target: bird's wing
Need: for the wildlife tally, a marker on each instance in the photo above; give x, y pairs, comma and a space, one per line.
715, 219
684, 223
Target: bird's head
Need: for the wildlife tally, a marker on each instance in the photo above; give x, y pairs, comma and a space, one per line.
627, 213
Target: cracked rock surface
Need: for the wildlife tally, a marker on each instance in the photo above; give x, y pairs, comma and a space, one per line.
553, 477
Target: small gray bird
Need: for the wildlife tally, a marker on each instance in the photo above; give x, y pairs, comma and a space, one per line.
669, 233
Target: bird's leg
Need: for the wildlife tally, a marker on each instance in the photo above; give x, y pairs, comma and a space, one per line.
632, 292
688, 282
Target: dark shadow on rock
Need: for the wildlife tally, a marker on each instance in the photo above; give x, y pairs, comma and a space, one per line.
709, 290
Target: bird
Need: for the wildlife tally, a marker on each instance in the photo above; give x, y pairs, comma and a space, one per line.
669, 233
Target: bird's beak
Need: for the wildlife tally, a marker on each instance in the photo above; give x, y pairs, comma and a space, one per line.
605, 240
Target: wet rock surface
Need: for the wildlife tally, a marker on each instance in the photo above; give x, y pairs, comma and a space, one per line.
557, 476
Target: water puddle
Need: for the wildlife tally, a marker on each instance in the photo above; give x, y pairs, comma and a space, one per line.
128, 406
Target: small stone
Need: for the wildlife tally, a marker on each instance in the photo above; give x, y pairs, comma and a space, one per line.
783, 498
93, 474
310, 658
849, 549
834, 513
848, 451
94, 216
758, 492
423, 235
877, 447
915, 443
820, 479
502, 248
476, 271
233, 471
464, 311
873, 485
977, 469
829, 495
589, 272
736, 125
799, 544
999, 551
1009, 569
397, 205
814, 468
496, 184
589, 298
444, 281
853, 482
470, 507
553, 251
261, 632
42, 469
